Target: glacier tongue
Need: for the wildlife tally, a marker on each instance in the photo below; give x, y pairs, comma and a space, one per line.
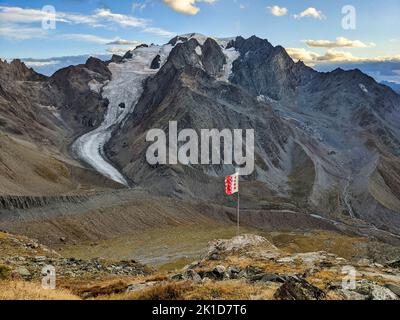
125, 87
231, 55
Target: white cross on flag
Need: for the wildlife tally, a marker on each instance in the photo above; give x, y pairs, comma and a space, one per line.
232, 184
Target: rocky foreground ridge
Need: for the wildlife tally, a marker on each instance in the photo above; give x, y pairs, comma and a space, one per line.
244, 267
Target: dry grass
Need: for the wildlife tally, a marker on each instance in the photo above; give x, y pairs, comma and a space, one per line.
107, 286
324, 277
208, 290
171, 247
5, 272
341, 245
231, 290
175, 264
164, 291
21, 290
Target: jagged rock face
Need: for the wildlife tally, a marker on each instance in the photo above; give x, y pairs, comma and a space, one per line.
16, 70
81, 105
185, 90
207, 56
213, 58
266, 70
155, 64
33, 104
25, 103
116, 58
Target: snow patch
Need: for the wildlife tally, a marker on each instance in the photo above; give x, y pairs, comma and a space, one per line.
261, 98
223, 42
363, 88
95, 86
198, 51
201, 38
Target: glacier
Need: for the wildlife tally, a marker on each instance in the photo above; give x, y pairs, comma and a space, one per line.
125, 86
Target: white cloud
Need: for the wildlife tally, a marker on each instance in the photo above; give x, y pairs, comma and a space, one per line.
121, 19
26, 16
87, 38
311, 58
41, 63
20, 15
13, 17
136, 6
122, 42
302, 54
186, 6
119, 50
310, 12
340, 42
21, 33
160, 32
278, 11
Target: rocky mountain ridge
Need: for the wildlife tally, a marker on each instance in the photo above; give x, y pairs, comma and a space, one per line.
325, 137
326, 144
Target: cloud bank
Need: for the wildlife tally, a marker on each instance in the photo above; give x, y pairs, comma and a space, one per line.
340, 42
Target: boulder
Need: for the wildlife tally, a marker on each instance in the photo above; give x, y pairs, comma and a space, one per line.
233, 272
239, 243
395, 289
267, 277
220, 272
250, 271
374, 291
298, 289
140, 286
191, 275
23, 272
40, 258
393, 264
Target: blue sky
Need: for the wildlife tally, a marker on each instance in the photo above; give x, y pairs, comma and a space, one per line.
310, 30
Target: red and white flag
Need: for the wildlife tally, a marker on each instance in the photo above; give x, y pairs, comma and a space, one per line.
232, 184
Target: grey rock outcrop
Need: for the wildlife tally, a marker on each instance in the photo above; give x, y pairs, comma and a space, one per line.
81, 106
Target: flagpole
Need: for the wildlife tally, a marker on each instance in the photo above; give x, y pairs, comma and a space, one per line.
238, 211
